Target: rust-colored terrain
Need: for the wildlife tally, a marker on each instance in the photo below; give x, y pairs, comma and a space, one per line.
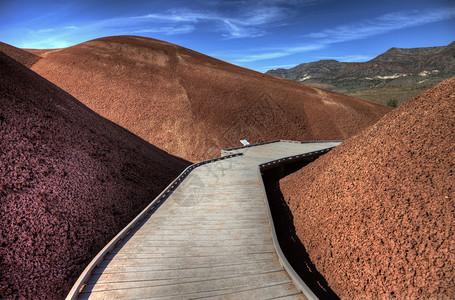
24, 57
376, 214
69, 181
192, 105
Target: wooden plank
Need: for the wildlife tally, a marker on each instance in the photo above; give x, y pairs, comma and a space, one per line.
279, 291
190, 273
203, 237
207, 223
141, 289
188, 250
150, 242
206, 232
291, 297
178, 262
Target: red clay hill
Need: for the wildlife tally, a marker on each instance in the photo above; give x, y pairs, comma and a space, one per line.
376, 214
192, 105
24, 57
69, 181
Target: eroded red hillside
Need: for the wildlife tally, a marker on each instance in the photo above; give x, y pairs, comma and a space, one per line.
24, 57
193, 105
376, 214
69, 181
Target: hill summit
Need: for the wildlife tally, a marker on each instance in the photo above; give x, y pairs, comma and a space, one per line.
192, 105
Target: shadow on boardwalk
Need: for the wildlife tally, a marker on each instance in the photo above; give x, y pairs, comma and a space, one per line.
290, 244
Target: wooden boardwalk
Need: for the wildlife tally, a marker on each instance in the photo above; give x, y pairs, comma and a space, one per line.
211, 238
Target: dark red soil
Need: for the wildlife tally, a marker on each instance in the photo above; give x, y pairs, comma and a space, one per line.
376, 214
24, 57
192, 105
69, 181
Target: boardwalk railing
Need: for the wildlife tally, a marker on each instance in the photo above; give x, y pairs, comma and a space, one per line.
288, 159
298, 282
229, 150
83, 278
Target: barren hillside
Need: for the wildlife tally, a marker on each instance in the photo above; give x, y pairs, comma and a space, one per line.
192, 105
69, 181
376, 214
24, 57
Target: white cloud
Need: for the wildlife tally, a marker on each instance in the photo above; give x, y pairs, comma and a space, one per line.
168, 30
382, 24
50, 43
246, 25
348, 58
286, 66
348, 32
173, 16
231, 19
276, 53
47, 30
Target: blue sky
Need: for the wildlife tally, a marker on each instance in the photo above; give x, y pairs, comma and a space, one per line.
259, 35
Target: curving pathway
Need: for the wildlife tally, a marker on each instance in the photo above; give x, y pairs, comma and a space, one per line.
212, 237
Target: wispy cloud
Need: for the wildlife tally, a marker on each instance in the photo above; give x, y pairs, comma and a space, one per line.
284, 66
230, 19
47, 30
253, 21
168, 30
245, 25
348, 58
383, 24
49, 43
278, 52
348, 32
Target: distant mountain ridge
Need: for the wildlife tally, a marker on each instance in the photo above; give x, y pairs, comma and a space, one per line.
412, 69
